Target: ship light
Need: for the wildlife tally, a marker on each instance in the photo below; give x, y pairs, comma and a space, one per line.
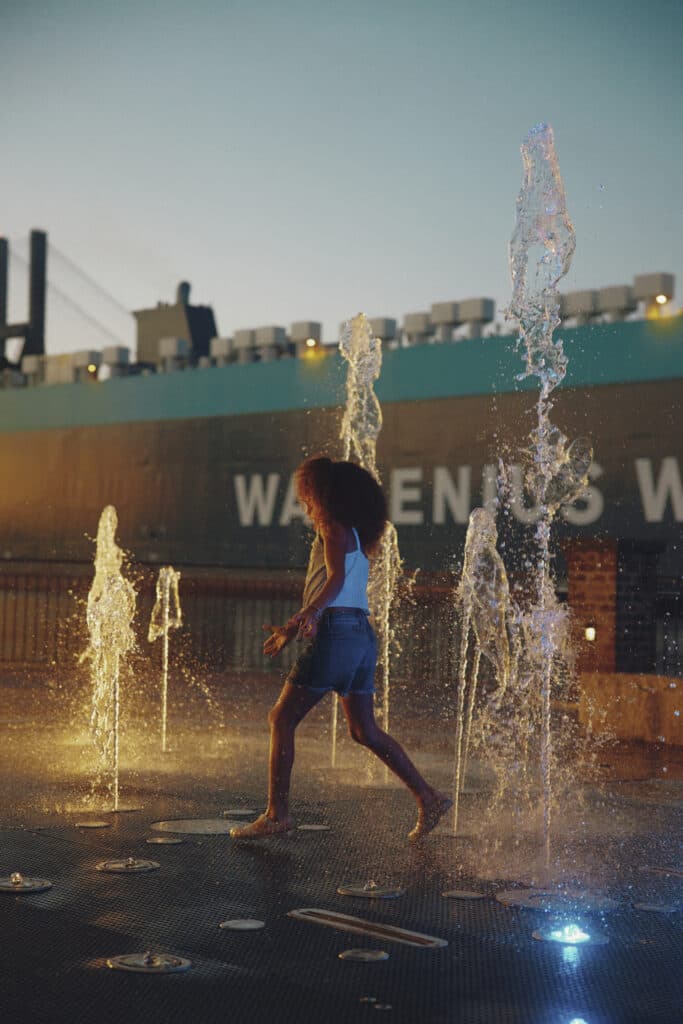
590, 633
661, 299
311, 343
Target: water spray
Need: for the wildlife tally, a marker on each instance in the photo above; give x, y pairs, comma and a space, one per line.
486, 624
166, 615
541, 250
110, 611
360, 428
525, 643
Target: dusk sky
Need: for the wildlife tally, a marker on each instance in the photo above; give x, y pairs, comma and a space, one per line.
311, 159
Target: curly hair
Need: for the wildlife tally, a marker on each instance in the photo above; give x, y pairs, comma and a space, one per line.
346, 493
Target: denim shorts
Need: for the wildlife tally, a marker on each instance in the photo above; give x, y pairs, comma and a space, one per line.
341, 657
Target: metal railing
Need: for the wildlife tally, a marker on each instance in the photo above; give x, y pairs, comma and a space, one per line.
43, 622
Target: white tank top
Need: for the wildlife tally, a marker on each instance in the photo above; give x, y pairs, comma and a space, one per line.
354, 592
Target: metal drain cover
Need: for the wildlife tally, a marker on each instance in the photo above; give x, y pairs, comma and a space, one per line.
364, 955
313, 828
657, 908
361, 926
371, 891
462, 894
242, 924
238, 811
530, 898
556, 899
149, 963
674, 872
197, 826
128, 866
163, 840
16, 882
93, 824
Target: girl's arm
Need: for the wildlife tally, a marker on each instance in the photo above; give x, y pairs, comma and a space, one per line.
334, 541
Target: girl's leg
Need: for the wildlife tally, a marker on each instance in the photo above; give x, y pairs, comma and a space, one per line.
360, 714
291, 707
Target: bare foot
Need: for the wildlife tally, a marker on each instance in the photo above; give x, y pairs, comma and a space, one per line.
429, 815
263, 828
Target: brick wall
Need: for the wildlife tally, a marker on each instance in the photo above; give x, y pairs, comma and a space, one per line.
632, 707
592, 597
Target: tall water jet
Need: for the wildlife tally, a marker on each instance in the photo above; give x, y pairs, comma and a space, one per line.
362, 419
487, 625
360, 428
541, 251
166, 615
110, 611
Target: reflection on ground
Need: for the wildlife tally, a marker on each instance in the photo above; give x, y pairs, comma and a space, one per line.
616, 844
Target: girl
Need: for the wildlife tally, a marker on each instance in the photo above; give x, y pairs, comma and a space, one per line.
348, 511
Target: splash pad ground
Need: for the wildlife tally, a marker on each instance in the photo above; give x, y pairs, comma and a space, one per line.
618, 847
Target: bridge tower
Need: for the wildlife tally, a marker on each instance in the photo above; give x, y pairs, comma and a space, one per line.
32, 330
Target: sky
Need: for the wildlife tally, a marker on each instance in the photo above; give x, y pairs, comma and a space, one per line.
311, 159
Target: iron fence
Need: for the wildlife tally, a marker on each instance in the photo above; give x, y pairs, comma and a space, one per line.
43, 622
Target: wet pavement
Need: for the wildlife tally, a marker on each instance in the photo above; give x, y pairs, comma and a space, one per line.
615, 847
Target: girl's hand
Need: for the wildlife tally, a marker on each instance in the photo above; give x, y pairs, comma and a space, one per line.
279, 638
306, 622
